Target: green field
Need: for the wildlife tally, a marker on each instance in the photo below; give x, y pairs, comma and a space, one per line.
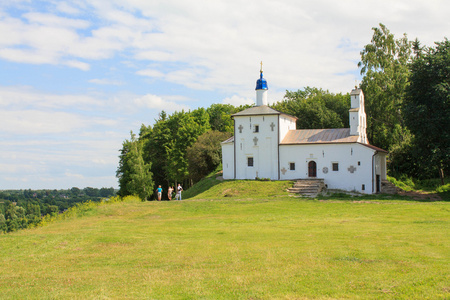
235, 248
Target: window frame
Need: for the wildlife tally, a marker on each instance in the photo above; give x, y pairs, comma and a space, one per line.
335, 166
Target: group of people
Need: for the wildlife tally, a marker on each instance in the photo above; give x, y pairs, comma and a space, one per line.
159, 191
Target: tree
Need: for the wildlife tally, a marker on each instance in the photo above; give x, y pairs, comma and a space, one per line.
205, 154
220, 117
135, 177
185, 128
3, 226
384, 64
427, 107
316, 108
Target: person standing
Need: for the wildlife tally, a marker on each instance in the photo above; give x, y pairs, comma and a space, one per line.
179, 189
159, 192
169, 192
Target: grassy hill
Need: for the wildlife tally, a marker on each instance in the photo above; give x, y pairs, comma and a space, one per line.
235, 247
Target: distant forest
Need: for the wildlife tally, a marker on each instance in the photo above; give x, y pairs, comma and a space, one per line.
21, 209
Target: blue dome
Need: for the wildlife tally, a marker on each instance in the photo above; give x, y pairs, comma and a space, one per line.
261, 83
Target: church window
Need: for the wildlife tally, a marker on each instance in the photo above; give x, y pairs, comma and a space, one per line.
359, 163
250, 161
335, 166
363, 188
292, 166
256, 128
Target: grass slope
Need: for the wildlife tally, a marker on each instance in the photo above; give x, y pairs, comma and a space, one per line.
284, 248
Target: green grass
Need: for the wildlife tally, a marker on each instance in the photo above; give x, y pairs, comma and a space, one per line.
426, 185
234, 248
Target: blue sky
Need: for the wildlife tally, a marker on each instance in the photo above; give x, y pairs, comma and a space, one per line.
77, 76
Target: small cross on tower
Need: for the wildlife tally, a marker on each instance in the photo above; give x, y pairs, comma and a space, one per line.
240, 128
272, 126
255, 140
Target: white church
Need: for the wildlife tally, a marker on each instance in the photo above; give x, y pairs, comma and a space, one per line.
266, 144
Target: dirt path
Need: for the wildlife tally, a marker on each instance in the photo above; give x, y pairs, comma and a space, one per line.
420, 195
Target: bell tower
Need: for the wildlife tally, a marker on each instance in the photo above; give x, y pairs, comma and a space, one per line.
357, 115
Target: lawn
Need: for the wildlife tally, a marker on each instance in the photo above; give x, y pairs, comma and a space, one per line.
235, 248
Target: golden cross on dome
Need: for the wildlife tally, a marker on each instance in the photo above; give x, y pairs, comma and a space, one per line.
261, 67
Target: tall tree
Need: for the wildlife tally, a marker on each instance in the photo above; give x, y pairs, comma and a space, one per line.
135, 176
185, 128
205, 154
220, 117
156, 146
427, 107
316, 108
384, 64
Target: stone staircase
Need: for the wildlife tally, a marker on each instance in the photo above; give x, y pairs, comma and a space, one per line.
388, 187
310, 187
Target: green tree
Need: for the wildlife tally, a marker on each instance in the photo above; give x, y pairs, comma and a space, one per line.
185, 130
205, 154
427, 108
316, 108
157, 141
220, 117
385, 66
135, 176
3, 225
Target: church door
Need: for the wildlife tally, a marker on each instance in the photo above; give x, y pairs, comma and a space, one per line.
312, 169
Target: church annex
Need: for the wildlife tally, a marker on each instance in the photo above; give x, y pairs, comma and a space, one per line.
266, 144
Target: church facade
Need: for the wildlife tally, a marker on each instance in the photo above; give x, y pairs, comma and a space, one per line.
266, 144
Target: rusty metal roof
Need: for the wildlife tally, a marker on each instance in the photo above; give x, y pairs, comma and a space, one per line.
307, 136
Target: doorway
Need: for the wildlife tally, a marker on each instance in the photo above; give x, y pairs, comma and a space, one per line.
378, 184
312, 169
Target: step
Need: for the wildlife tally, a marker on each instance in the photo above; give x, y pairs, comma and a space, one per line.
308, 187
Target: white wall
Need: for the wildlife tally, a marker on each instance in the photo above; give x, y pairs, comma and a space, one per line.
286, 124
346, 155
264, 153
228, 160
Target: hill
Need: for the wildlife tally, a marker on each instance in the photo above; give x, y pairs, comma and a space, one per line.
234, 248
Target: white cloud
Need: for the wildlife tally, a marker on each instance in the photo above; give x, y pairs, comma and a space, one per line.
158, 103
78, 65
20, 97
150, 73
237, 101
51, 20
105, 81
39, 122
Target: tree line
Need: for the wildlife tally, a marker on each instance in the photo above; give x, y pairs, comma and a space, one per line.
20, 209
406, 88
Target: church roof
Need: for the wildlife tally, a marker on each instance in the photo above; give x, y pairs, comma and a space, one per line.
323, 136
319, 136
260, 110
316, 136
229, 140
355, 91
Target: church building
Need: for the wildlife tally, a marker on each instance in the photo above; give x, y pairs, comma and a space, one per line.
266, 144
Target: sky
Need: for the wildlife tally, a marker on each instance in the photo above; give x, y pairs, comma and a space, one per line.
77, 76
